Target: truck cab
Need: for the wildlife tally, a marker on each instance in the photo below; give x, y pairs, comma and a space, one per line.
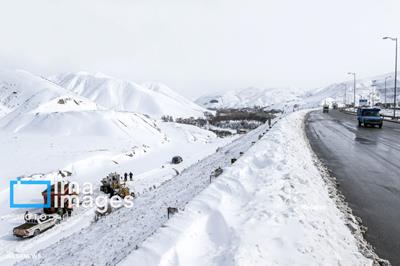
369, 116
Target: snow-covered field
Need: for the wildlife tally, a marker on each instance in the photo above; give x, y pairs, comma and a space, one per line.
271, 207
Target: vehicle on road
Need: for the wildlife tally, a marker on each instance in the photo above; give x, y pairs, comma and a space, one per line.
363, 102
369, 116
36, 224
325, 108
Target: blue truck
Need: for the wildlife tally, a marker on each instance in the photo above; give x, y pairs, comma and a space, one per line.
369, 116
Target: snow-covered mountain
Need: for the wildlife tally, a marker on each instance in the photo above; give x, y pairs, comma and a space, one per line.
19, 87
271, 98
34, 105
371, 88
153, 99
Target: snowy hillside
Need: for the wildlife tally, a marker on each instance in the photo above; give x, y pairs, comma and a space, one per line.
150, 98
18, 87
3, 111
89, 158
272, 98
38, 106
84, 123
45, 129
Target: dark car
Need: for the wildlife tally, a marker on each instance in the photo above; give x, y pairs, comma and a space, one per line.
369, 116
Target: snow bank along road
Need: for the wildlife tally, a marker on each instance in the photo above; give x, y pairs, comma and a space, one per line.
366, 163
112, 238
271, 207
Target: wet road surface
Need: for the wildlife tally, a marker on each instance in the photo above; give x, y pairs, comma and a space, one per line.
366, 163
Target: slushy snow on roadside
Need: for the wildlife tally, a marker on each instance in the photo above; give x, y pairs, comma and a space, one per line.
271, 207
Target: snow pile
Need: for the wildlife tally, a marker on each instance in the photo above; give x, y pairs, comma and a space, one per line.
271, 208
272, 98
151, 98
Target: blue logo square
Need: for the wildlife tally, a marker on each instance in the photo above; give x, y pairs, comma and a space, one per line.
30, 182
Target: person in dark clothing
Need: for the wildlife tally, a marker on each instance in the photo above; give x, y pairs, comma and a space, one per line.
126, 177
130, 176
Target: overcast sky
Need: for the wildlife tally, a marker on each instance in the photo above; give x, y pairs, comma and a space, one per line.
202, 46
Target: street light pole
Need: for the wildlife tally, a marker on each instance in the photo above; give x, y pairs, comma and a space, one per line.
395, 83
345, 94
395, 75
354, 75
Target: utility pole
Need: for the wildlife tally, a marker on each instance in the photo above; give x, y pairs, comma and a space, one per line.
395, 83
395, 75
345, 94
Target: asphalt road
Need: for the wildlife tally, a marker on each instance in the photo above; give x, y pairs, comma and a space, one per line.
366, 162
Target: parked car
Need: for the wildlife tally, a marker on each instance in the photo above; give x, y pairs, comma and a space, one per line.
369, 116
36, 224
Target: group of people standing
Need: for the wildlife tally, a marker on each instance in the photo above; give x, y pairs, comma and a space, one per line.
126, 176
